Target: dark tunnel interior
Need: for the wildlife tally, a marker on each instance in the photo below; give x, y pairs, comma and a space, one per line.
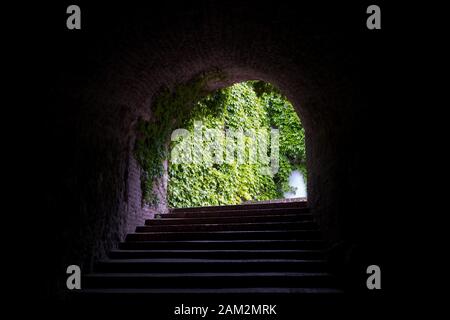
98, 82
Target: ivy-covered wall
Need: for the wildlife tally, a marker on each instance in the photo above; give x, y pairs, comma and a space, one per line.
252, 106
170, 109
255, 106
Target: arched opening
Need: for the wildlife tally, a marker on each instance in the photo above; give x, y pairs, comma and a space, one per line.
238, 144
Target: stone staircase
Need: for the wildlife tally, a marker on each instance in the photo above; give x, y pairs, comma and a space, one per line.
271, 248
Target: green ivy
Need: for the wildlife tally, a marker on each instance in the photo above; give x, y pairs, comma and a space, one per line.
282, 115
247, 105
170, 109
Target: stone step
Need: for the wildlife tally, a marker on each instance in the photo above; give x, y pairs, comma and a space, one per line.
236, 212
226, 235
308, 225
232, 219
205, 280
172, 292
250, 206
223, 244
209, 265
268, 249
217, 254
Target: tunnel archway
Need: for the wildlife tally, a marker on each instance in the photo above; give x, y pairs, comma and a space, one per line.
238, 144
127, 68
322, 184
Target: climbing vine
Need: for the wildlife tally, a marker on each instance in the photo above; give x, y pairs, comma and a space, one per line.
170, 108
251, 105
292, 134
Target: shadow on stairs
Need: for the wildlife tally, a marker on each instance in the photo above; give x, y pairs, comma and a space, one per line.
269, 253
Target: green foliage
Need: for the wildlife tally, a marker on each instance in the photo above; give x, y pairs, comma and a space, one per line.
282, 116
251, 105
170, 108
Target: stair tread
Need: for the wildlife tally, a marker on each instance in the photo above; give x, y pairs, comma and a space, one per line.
293, 234
254, 290
243, 223
185, 260
209, 250
230, 226
247, 206
278, 215
228, 241
246, 217
239, 212
222, 244
224, 232
235, 210
207, 274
